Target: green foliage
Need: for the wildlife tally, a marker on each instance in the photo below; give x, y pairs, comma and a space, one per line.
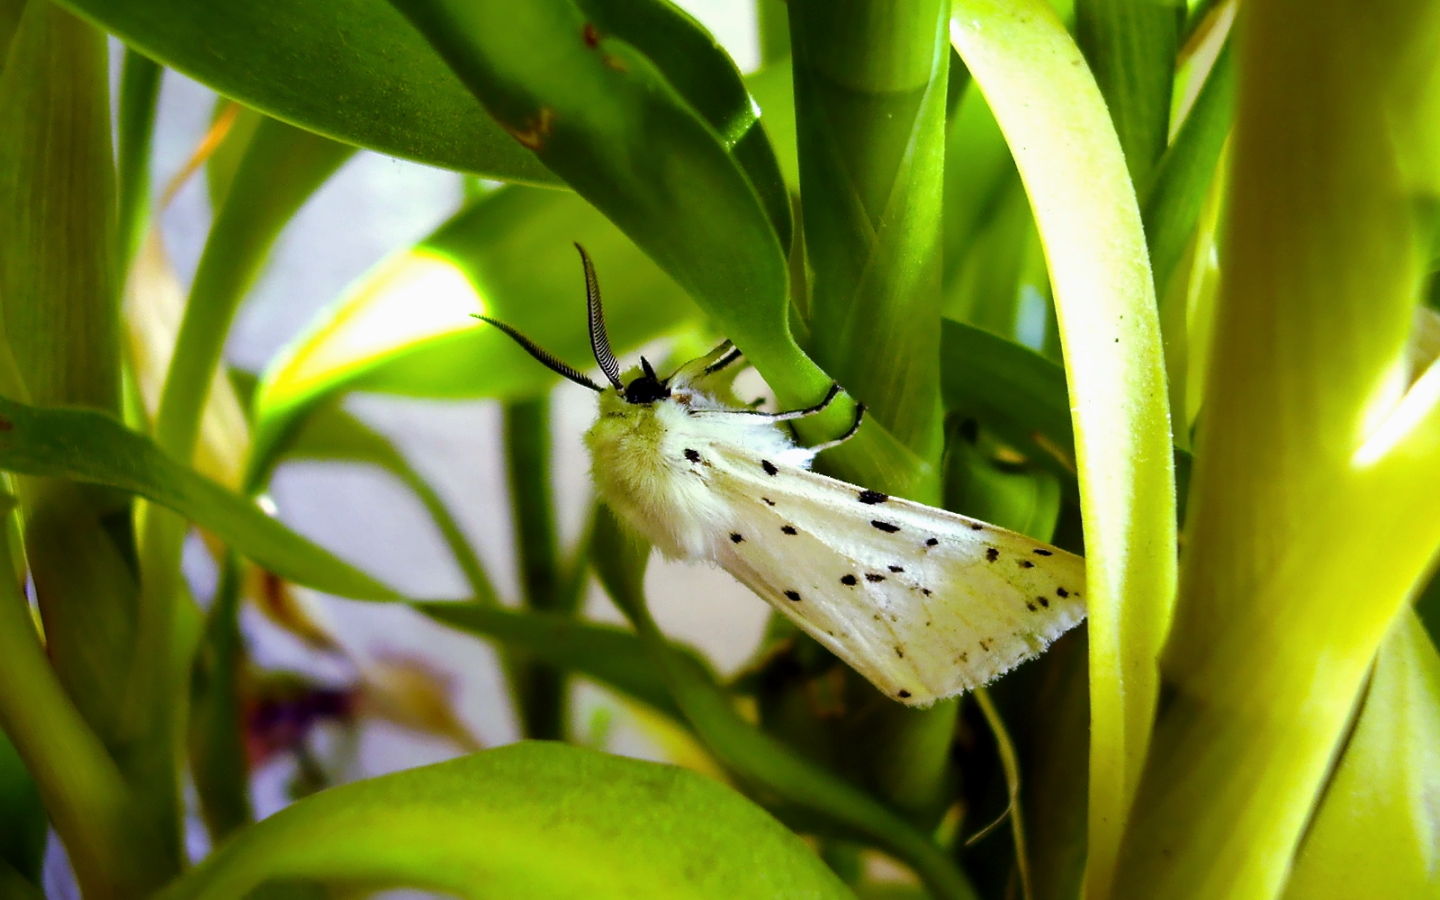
996, 229
533, 819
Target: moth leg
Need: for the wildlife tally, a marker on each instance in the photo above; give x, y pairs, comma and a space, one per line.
783, 416
725, 360
854, 427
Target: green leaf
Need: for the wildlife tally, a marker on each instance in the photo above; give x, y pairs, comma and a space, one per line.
1022, 396
1071, 162
216, 723
88, 446
354, 71
537, 820
1009, 387
1377, 823
1183, 176
10, 11
509, 256
1131, 47
139, 96
610, 656
281, 168
980, 177
58, 277
701, 72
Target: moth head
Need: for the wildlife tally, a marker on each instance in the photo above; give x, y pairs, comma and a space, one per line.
645, 388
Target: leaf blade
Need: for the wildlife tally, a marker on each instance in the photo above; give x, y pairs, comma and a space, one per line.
89, 446
294, 64
539, 819
1071, 162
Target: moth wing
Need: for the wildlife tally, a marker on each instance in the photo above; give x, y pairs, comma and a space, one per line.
923, 602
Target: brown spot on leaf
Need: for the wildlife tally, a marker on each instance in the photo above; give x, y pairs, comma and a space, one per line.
537, 129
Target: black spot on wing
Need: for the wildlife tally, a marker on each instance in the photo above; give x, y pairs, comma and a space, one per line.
1062, 592
895, 568
976, 526
902, 694
793, 595
1038, 552
992, 554
873, 497
874, 577
887, 527
692, 455
932, 542
847, 579
1026, 564
768, 466
788, 529
900, 653
1044, 602
926, 592
736, 537
768, 501
1030, 606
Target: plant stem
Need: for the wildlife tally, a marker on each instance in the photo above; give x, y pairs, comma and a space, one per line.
870, 91
540, 689
139, 93
83, 790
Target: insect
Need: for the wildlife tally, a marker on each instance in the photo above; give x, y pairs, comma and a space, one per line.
923, 602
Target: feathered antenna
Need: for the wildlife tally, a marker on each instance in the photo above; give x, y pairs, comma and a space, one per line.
599, 340
545, 358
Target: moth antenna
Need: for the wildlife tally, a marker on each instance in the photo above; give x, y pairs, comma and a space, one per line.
599, 340
649, 370
543, 356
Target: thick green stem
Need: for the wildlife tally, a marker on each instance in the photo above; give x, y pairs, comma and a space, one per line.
1308, 526
539, 688
870, 90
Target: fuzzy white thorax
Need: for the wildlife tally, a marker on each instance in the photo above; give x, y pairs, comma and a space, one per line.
641, 469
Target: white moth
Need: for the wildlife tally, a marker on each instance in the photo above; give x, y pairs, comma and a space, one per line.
921, 601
